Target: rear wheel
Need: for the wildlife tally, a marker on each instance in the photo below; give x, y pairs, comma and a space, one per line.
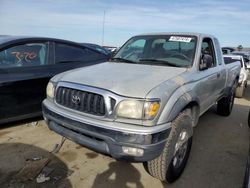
172, 161
225, 105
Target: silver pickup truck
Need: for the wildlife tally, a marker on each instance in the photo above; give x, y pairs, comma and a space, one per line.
142, 105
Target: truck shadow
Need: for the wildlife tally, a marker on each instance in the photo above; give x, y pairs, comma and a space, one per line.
120, 174
20, 164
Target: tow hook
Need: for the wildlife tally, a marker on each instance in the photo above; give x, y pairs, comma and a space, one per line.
57, 147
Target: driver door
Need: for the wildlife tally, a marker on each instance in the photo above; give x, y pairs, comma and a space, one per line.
24, 74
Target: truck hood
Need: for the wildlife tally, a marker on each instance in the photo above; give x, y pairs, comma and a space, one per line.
131, 80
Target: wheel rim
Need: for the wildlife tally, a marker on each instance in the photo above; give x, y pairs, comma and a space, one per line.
180, 149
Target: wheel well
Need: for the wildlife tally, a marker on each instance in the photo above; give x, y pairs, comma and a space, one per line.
236, 79
195, 111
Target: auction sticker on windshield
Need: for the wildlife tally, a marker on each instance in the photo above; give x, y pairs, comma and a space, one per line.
180, 39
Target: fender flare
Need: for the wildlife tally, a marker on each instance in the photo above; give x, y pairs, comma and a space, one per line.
187, 100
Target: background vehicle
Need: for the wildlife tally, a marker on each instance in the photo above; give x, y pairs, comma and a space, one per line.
143, 104
246, 55
98, 48
227, 50
27, 64
243, 72
111, 49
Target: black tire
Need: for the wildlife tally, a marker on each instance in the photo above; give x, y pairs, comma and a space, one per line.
225, 105
165, 166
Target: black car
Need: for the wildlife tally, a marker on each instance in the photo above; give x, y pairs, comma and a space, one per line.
98, 48
26, 66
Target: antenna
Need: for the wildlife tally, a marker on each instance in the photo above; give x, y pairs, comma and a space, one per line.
103, 24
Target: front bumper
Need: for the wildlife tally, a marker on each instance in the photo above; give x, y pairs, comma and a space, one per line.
103, 139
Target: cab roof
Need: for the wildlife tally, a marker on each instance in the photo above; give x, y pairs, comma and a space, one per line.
179, 33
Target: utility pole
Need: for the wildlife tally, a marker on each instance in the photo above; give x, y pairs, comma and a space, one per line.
103, 24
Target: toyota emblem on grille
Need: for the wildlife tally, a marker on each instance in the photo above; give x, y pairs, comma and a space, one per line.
76, 99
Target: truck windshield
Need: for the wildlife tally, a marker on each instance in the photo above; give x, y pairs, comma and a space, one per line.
166, 50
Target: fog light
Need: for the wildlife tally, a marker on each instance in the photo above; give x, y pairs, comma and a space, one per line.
133, 151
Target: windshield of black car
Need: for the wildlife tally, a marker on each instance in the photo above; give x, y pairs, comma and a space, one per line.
173, 50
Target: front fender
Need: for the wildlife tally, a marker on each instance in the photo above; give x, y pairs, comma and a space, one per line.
178, 101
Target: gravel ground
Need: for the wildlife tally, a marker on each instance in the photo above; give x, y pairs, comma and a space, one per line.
218, 157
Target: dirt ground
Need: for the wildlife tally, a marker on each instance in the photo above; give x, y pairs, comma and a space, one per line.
218, 157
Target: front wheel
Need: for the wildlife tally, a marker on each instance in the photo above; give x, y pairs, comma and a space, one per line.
172, 161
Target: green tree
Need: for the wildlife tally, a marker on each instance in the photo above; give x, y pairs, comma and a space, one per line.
240, 47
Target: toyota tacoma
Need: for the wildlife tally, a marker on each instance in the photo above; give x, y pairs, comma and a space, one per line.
142, 105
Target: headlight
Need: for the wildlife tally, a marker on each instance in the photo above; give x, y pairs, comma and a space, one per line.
138, 109
130, 109
50, 90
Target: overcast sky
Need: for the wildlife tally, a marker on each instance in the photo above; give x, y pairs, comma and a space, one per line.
81, 20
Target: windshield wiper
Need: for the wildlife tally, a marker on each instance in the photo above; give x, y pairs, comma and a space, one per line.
121, 60
160, 62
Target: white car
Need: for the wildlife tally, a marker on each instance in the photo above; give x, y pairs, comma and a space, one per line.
246, 56
243, 72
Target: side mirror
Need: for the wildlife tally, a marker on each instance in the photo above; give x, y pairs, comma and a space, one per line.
113, 52
206, 62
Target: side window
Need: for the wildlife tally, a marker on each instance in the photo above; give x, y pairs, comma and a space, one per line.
208, 48
64, 53
30, 54
218, 50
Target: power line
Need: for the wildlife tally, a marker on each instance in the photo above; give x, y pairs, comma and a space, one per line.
103, 24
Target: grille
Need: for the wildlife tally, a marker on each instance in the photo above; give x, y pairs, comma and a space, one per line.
83, 101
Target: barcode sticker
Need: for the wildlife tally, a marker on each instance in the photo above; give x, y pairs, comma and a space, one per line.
180, 39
